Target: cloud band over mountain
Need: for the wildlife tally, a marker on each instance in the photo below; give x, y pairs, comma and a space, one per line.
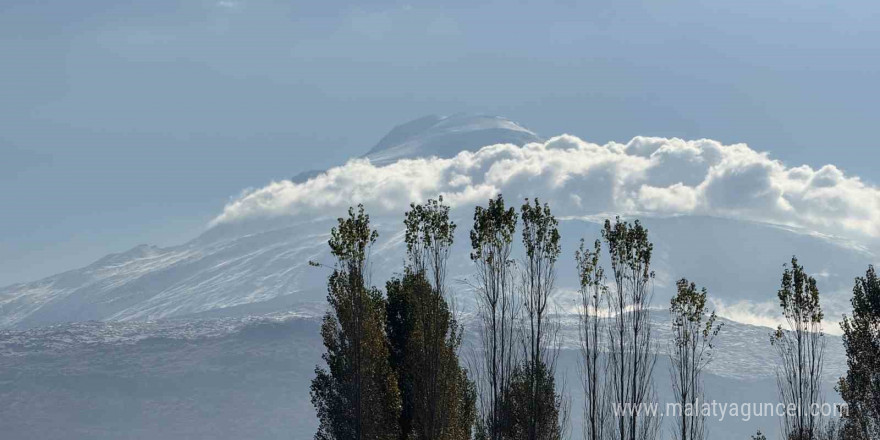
646, 176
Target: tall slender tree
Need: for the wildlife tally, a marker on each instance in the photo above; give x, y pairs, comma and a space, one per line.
537, 411
438, 396
632, 354
429, 236
356, 396
693, 333
800, 347
593, 295
491, 245
860, 388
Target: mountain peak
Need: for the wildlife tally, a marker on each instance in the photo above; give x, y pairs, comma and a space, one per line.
446, 136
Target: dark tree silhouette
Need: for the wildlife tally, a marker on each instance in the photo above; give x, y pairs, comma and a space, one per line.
632, 355
535, 409
860, 388
356, 396
593, 295
801, 348
438, 397
693, 332
491, 244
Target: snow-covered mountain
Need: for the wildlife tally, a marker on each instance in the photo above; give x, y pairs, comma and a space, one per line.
258, 263
446, 136
260, 266
258, 272
155, 337
440, 136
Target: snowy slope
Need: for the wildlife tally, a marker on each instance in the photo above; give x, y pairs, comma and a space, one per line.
218, 337
260, 265
149, 282
268, 270
258, 272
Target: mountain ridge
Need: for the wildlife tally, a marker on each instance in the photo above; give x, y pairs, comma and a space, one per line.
255, 266
446, 136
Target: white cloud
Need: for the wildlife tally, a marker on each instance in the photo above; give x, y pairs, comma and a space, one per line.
765, 314
768, 314
647, 176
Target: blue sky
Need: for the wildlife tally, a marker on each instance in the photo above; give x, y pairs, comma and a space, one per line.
134, 122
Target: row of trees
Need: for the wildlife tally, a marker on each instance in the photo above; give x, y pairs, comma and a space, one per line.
516, 372
800, 347
392, 361
393, 368
617, 348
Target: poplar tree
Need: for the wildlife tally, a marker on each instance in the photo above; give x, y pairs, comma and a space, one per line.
693, 332
356, 395
800, 347
593, 296
438, 396
534, 409
632, 354
860, 388
491, 246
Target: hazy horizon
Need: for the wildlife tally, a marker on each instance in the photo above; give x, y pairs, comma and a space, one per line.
135, 123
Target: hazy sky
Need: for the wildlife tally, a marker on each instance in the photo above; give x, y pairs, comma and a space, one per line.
134, 122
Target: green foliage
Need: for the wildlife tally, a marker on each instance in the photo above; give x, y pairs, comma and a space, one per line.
540, 232
689, 315
860, 388
392, 368
693, 333
632, 355
533, 408
629, 248
590, 273
351, 239
800, 348
429, 235
493, 228
438, 396
398, 326
537, 412
799, 296
491, 238
356, 396
593, 295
